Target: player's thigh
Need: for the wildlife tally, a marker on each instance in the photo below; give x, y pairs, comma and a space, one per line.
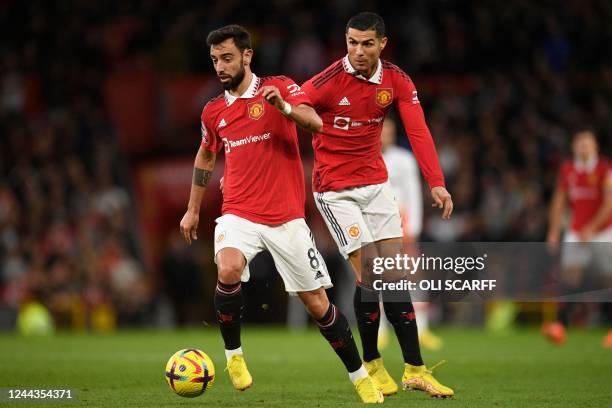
358, 261
296, 257
237, 241
381, 213
344, 220
362, 260
391, 248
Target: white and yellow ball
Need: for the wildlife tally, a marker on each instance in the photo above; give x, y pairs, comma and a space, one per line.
190, 372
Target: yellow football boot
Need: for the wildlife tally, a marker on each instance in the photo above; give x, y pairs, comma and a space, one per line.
381, 377
383, 338
239, 373
421, 378
429, 340
368, 392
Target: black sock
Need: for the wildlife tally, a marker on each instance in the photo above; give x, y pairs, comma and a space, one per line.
606, 313
564, 313
335, 328
368, 320
228, 306
401, 316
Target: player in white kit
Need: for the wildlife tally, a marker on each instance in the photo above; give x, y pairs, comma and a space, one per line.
405, 180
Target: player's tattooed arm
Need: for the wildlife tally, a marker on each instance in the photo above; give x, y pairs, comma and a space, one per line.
201, 177
203, 167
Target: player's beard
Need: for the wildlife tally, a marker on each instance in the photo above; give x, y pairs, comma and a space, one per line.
236, 80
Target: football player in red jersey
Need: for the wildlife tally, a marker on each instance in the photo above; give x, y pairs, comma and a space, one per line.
351, 187
586, 184
255, 122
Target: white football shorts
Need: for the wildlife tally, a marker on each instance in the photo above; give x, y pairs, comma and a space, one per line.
582, 254
360, 215
291, 245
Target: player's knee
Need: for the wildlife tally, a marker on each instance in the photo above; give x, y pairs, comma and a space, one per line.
230, 272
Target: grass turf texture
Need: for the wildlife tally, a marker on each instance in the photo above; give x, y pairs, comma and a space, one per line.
300, 370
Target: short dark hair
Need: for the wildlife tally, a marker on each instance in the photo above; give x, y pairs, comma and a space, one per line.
366, 21
241, 36
582, 130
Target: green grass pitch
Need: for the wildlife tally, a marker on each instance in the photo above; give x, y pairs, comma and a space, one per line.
300, 369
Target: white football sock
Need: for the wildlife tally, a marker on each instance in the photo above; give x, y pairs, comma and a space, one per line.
359, 374
234, 352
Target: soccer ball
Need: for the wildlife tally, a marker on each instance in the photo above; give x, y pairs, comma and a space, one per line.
190, 372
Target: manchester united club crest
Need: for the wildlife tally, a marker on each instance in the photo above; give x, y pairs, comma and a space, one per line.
384, 96
353, 231
220, 237
593, 178
256, 110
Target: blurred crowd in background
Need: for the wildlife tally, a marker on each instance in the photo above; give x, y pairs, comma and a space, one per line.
503, 85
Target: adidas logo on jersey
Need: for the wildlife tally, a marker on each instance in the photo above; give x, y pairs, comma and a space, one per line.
222, 123
318, 275
344, 102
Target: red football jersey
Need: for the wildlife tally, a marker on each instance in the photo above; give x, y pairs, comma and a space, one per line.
348, 150
263, 175
585, 186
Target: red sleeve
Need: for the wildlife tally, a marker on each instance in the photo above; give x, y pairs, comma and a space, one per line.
418, 133
562, 178
292, 93
313, 94
210, 138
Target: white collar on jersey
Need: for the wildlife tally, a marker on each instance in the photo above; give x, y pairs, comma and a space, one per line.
249, 93
375, 79
587, 166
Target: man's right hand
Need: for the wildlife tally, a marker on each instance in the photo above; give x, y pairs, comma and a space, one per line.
442, 199
189, 226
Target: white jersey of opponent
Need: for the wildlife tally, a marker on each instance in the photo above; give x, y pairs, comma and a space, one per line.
405, 181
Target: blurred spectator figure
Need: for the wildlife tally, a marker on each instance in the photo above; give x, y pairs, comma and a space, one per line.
182, 282
405, 180
585, 183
